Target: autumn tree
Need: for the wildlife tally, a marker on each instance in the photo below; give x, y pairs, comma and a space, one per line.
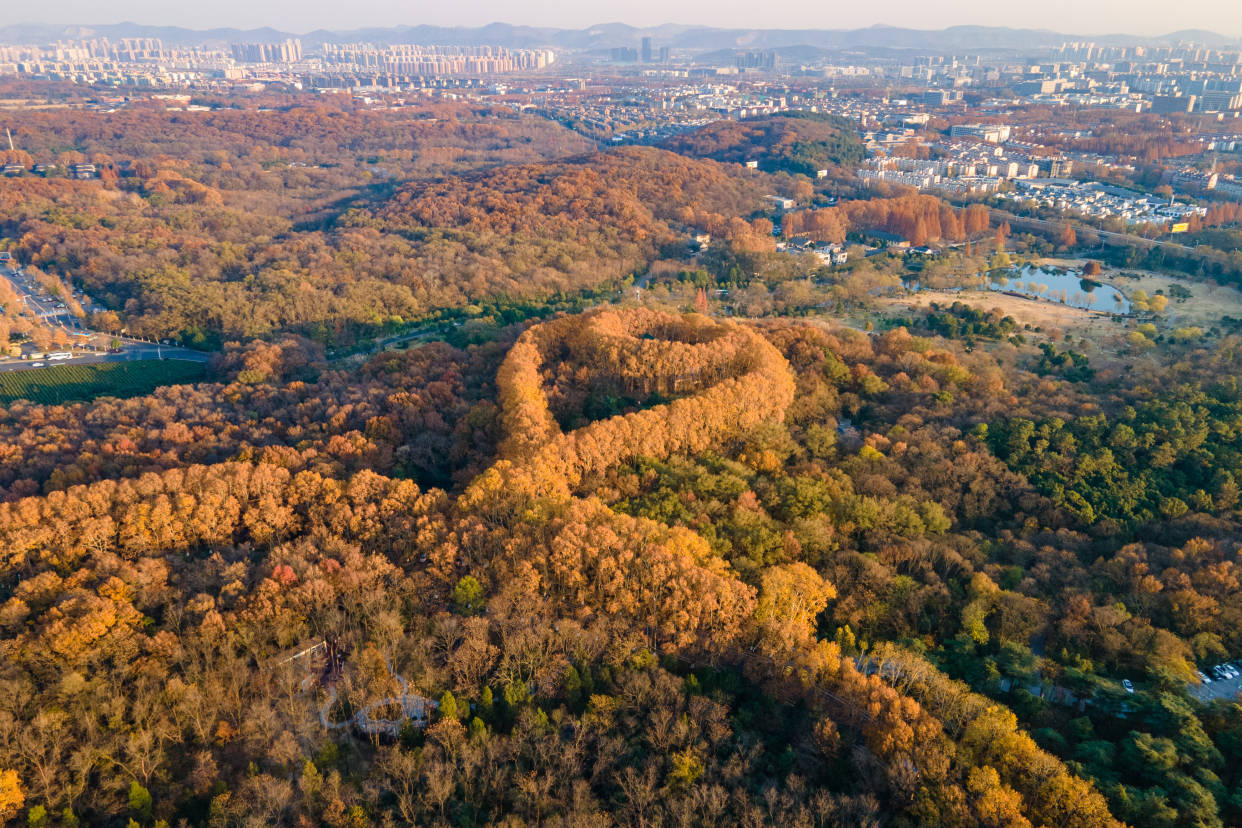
1066, 237
11, 797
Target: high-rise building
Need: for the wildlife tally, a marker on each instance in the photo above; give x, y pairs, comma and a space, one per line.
992, 133
1167, 104
288, 51
646, 50
1220, 101
756, 60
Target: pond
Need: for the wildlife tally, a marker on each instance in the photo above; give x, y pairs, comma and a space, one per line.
1067, 287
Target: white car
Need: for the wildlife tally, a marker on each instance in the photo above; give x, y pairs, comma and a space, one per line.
1127, 685
1203, 679
36, 365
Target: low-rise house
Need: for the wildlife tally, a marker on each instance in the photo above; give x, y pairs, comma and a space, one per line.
830, 254
780, 202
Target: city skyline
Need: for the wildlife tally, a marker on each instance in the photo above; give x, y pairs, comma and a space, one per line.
1144, 19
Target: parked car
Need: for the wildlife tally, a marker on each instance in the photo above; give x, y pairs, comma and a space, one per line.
1203, 677
1127, 685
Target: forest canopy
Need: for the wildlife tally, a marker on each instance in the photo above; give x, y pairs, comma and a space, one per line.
801, 143
535, 484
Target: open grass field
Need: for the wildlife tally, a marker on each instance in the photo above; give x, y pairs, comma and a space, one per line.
1035, 312
68, 383
1207, 303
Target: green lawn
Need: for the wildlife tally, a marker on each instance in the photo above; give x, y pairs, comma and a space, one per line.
66, 383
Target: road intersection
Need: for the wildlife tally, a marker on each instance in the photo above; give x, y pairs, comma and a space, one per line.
57, 314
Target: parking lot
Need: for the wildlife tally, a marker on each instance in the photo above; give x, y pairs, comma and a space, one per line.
1227, 688
56, 315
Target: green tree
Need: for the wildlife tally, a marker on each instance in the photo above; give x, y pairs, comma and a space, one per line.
448, 705
468, 596
139, 801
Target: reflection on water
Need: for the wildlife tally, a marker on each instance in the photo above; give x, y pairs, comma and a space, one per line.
1067, 287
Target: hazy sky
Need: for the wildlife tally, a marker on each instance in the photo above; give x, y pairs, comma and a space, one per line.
1071, 16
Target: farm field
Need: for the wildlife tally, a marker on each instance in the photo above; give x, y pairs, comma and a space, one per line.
66, 383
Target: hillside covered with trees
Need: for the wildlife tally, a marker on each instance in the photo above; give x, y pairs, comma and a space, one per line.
792, 142
342, 224
643, 513
655, 565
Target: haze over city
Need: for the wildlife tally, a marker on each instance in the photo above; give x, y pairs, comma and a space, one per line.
1143, 17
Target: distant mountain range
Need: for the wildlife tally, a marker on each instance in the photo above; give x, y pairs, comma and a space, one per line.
606, 36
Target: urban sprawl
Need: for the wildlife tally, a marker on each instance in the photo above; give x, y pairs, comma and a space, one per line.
956, 124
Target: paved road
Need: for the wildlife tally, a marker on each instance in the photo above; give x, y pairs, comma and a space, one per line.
433, 331
1127, 238
129, 354
45, 307
39, 304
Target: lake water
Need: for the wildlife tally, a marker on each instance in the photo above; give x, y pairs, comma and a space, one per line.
1067, 287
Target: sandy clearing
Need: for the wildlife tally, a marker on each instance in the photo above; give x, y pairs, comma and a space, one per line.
1205, 307
1207, 304
1035, 312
